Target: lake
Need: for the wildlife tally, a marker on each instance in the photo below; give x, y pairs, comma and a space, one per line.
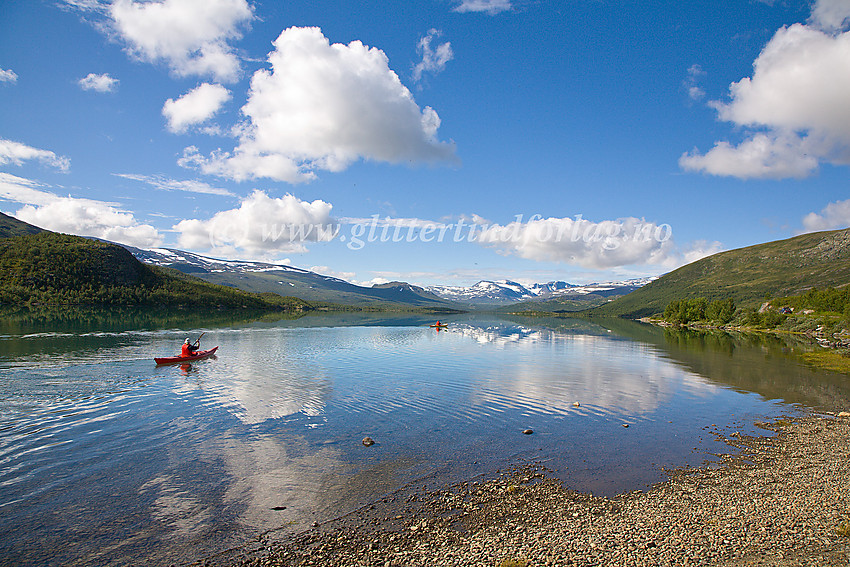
108, 459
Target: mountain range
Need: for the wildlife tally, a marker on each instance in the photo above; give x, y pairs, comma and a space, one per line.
48, 267
262, 277
310, 286
506, 292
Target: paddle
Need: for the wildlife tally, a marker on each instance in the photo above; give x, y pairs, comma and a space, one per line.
198, 342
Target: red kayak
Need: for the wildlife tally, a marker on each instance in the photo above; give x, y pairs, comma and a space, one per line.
177, 359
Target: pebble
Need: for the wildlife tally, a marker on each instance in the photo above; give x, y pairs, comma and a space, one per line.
782, 502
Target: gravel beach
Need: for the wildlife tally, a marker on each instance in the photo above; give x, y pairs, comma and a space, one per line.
782, 499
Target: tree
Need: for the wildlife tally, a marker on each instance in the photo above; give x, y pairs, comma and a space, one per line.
721, 311
685, 311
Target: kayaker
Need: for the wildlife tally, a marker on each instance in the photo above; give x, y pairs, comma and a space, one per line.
189, 348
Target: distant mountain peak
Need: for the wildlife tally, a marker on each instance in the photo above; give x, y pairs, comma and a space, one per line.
289, 280
505, 292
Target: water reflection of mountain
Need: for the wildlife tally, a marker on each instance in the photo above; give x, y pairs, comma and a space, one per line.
762, 363
579, 362
561, 325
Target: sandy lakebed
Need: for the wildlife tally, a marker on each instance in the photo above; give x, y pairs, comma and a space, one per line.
780, 499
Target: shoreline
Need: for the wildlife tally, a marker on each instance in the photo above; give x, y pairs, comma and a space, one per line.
780, 500
698, 326
833, 357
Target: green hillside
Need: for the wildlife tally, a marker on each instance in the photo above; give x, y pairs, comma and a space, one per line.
781, 268
11, 227
51, 268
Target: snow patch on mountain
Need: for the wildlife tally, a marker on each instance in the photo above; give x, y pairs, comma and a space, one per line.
506, 291
182, 260
485, 292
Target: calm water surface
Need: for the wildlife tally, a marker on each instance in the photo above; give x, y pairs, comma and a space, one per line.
106, 458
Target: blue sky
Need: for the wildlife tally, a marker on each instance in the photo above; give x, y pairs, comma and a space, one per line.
436, 142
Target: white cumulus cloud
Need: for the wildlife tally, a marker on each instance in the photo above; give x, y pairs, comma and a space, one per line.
764, 155
16, 153
100, 83
8, 76
580, 242
599, 245
195, 107
261, 227
191, 36
794, 107
491, 7
323, 106
433, 59
82, 217
831, 15
834, 215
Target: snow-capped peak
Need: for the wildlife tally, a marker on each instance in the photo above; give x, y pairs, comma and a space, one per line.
507, 291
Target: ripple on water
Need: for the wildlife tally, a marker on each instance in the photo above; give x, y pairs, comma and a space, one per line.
99, 446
